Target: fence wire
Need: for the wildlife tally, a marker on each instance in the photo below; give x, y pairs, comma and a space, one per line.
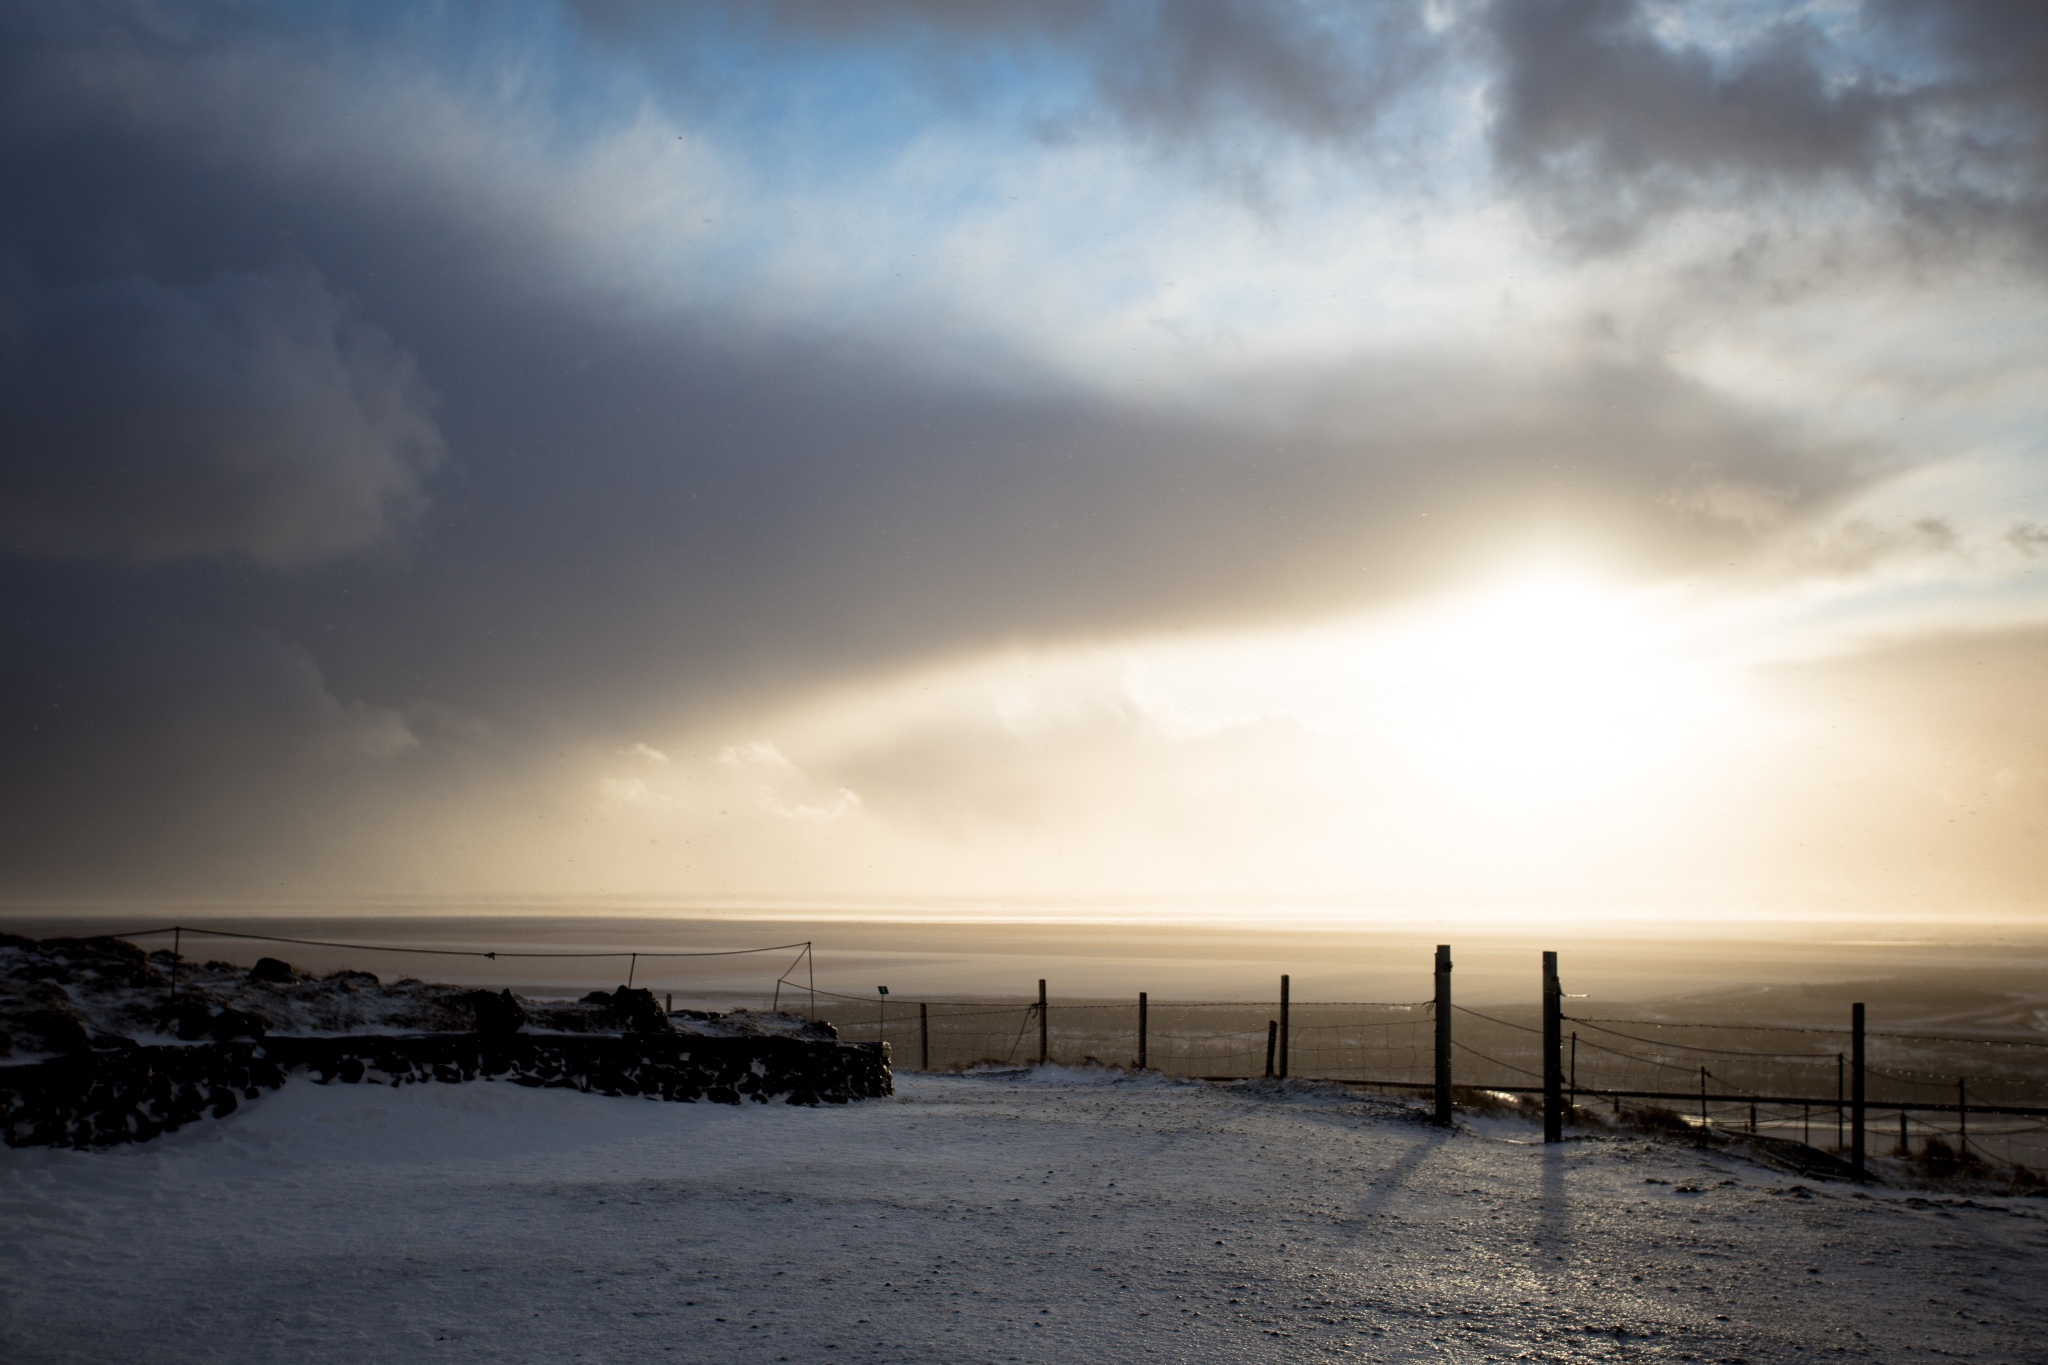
1773, 1079
1933, 1095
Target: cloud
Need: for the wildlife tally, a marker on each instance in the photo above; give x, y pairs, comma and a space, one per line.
1612, 113
147, 753
678, 490
1177, 72
246, 415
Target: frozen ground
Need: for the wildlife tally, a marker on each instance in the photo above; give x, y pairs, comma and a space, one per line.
1058, 1217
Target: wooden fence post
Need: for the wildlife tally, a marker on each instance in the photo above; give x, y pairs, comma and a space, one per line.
1043, 1034
924, 1038
1443, 1034
1553, 1046
1857, 1094
1142, 1003
1283, 1028
1272, 1035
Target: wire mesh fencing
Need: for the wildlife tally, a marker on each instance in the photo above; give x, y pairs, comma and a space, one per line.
1359, 1041
1937, 1097
1929, 1097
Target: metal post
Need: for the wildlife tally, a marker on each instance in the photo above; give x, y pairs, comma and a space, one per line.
1044, 1048
1553, 1044
1272, 1036
1856, 1090
1142, 1006
1283, 1028
924, 1037
1703, 1099
632, 967
1963, 1118
177, 938
1572, 1078
1443, 1034
1905, 1147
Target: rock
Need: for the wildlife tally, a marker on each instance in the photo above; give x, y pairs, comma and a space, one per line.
497, 1016
237, 1024
639, 1011
54, 1029
271, 969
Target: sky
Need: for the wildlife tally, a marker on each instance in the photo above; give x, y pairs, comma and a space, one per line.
1570, 455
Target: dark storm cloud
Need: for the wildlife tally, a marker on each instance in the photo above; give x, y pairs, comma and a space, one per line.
1936, 106
637, 515
243, 415
1605, 114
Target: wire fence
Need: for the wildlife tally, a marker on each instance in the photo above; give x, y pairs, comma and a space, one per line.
1359, 1041
1934, 1096
1928, 1096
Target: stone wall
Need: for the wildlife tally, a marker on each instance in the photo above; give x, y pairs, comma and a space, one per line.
133, 1092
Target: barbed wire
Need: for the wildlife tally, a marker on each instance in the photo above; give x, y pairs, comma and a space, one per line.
1830, 1030
1464, 1047
1690, 1047
1491, 1020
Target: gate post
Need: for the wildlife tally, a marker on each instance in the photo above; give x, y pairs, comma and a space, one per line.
1553, 1047
1283, 1028
1443, 1034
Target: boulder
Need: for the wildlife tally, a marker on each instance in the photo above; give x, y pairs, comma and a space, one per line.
497, 1016
273, 970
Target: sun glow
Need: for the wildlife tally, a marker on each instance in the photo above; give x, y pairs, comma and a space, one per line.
1551, 677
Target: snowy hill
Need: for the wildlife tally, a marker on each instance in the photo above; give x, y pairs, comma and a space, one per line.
1054, 1216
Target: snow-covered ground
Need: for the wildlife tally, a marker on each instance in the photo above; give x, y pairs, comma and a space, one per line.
1057, 1216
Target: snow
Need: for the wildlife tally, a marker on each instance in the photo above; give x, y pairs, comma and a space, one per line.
1069, 1214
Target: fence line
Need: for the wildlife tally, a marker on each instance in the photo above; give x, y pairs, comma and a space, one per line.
1414, 1046
1772, 1088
